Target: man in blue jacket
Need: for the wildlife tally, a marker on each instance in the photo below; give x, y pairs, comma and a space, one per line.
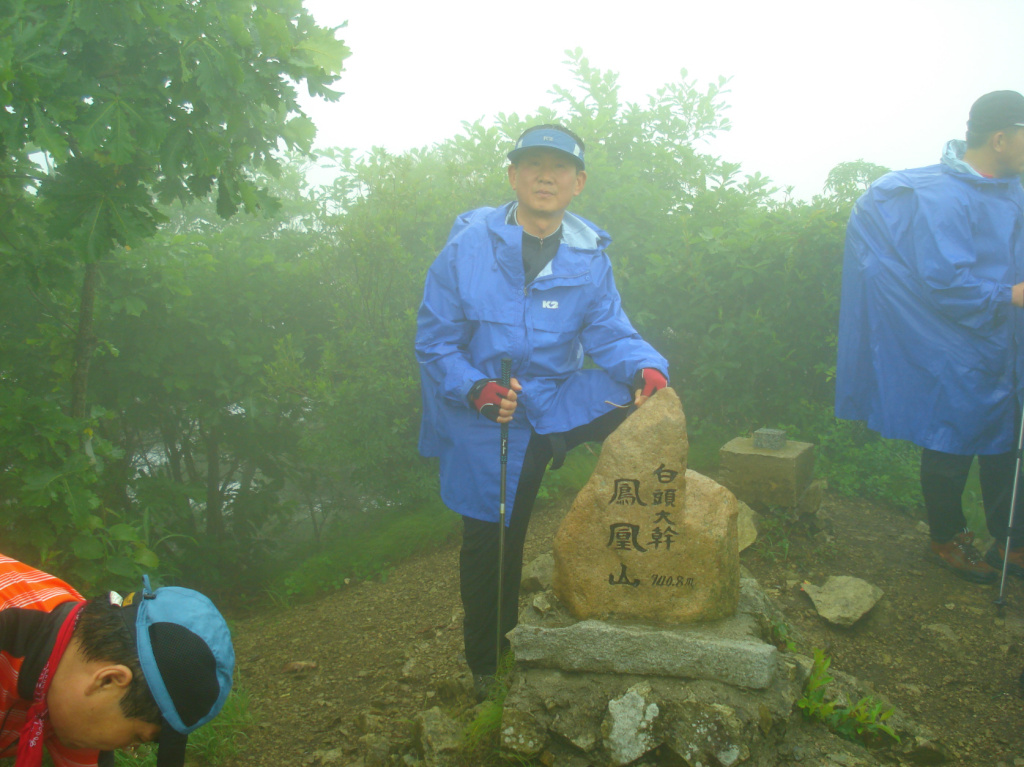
530, 282
930, 325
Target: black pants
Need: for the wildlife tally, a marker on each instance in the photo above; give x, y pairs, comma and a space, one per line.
478, 559
943, 478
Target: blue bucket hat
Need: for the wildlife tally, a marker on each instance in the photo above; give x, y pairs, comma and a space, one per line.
186, 655
551, 137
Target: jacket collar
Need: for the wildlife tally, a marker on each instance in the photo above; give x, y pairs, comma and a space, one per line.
577, 232
953, 157
953, 160
30, 634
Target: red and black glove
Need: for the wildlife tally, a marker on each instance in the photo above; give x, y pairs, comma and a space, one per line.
649, 381
486, 396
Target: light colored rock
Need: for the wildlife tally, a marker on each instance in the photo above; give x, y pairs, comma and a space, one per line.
733, 650
582, 732
766, 477
843, 599
368, 722
846, 759
701, 731
437, 738
942, 630
542, 603
810, 501
926, 749
770, 439
628, 727
599, 646
537, 574
715, 724
412, 670
522, 733
645, 538
330, 756
746, 526
376, 750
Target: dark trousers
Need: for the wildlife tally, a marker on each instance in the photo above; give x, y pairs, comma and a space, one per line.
943, 478
478, 559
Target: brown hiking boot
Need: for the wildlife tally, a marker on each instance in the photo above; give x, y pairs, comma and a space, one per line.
960, 556
1015, 564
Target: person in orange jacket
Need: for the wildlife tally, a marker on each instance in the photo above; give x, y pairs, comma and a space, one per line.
83, 678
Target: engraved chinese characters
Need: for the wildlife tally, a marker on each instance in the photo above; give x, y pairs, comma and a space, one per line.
646, 539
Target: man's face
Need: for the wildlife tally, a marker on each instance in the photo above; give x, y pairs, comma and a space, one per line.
1010, 150
92, 718
545, 181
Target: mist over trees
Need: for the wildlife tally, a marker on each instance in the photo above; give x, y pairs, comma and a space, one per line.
226, 399
111, 111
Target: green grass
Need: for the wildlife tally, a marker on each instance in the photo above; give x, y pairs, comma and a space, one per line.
361, 551
480, 738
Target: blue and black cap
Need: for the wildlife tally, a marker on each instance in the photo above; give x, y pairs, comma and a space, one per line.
187, 658
550, 136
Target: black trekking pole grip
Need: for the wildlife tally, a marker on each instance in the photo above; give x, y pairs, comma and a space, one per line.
506, 381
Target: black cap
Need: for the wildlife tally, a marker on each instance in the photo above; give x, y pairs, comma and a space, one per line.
995, 111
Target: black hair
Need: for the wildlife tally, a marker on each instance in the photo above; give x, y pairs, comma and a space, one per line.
978, 139
103, 635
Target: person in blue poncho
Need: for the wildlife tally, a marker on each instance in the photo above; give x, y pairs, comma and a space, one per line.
530, 282
930, 325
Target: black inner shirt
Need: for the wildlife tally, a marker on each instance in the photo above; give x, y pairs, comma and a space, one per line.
537, 251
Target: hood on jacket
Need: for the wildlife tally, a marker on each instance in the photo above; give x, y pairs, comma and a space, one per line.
577, 232
953, 157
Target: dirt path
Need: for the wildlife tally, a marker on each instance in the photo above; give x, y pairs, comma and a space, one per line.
935, 646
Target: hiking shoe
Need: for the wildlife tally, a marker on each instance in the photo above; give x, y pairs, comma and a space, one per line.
1015, 566
960, 556
482, 686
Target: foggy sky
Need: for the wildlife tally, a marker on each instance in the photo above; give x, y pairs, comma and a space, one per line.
812, 83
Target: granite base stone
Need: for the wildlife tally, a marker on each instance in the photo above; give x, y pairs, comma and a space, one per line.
731, 650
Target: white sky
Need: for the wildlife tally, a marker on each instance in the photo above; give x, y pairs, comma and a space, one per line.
814, 83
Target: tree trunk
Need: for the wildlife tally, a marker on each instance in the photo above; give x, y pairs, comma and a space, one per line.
85, 341
214, 495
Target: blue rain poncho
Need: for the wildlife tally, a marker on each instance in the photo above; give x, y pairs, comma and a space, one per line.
928, 336
477, 309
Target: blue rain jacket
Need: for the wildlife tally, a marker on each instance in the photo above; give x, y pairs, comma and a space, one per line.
477, 309
928, 336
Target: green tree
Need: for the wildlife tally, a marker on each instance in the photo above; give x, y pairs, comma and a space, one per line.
849, 180
109, 110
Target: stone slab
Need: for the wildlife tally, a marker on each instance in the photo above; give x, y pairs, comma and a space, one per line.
766, 477
730, 650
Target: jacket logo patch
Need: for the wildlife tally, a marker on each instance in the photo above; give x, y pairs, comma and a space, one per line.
549, 304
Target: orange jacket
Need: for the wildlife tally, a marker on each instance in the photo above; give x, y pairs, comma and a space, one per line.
25, 587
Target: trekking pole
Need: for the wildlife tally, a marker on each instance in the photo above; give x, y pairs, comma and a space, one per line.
1001, 601
506, 381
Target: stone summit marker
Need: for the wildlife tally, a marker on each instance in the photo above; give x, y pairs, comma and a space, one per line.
646, 539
